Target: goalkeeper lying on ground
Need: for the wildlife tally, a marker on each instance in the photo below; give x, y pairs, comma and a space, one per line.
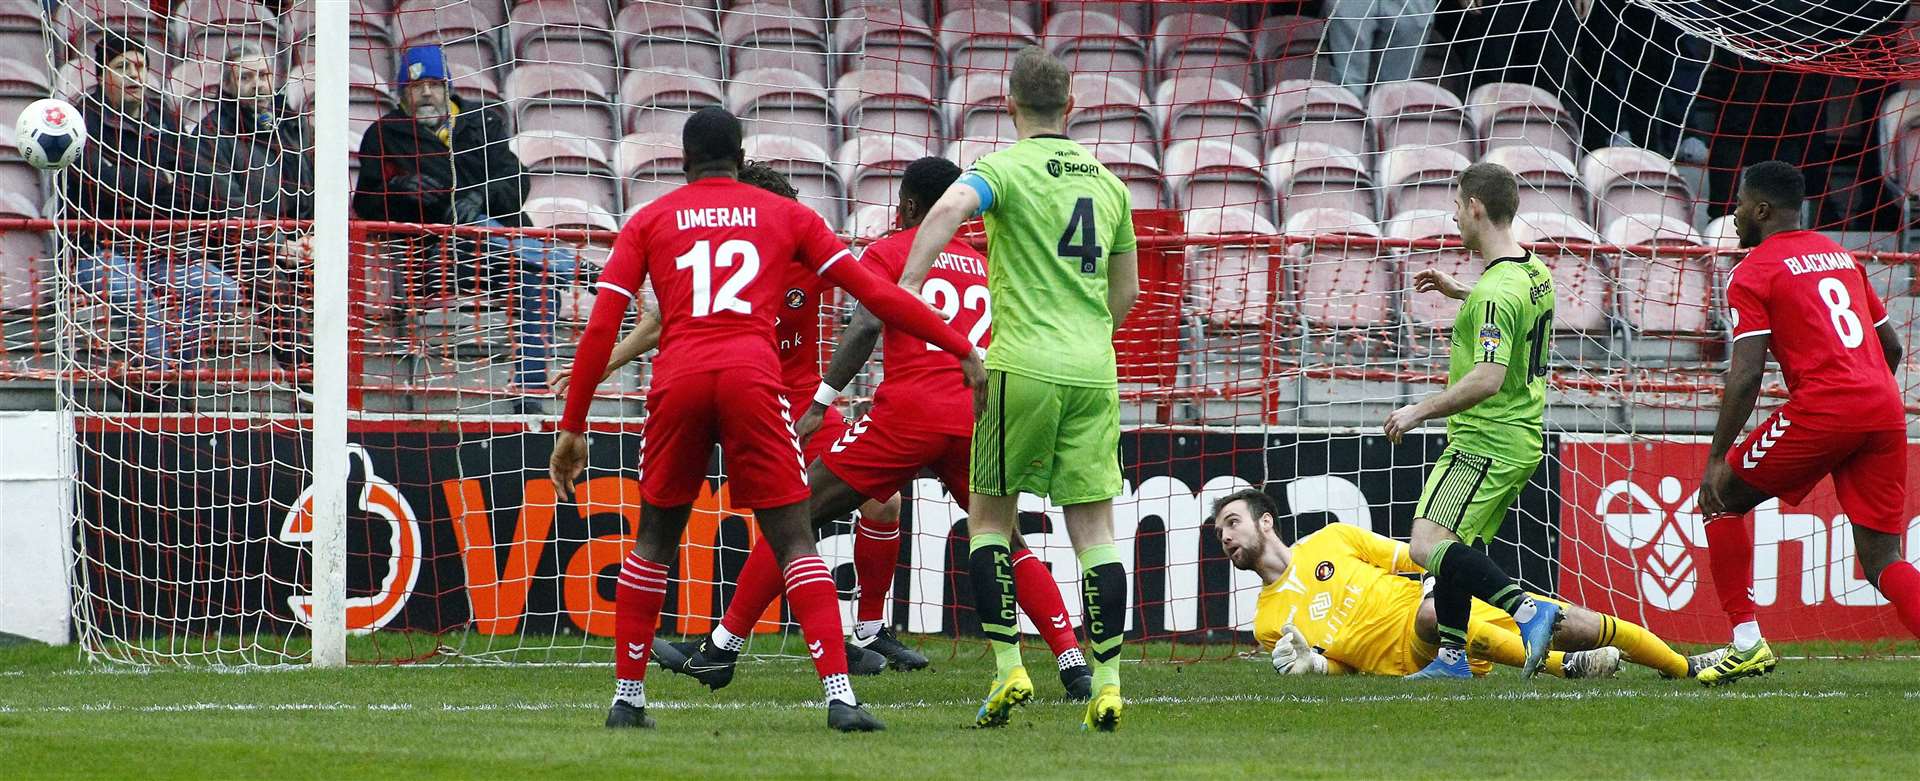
1336, 603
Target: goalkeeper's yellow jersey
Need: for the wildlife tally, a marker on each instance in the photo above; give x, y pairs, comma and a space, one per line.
1344, 593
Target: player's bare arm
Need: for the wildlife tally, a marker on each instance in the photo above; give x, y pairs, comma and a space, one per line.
1744, 372
954, 208
1436, 281
856, 346
1123, 285
1890, 344
1478, 386
644, 337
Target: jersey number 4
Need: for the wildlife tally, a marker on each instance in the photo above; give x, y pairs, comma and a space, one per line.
1080, 240
702, 259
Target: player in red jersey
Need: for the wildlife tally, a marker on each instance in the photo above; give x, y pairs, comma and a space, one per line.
712, 250
1803, 297
922, 418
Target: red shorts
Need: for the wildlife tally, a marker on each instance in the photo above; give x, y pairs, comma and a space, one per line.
1869, 468
747, 418
877, 460
833, 426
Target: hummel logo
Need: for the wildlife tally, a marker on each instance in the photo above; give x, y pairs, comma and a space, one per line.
1059, 621
636, 651
816, 649
1766, 442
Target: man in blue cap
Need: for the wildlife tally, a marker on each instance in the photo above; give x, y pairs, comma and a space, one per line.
441, 158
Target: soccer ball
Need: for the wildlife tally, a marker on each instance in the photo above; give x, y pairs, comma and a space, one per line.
50, 134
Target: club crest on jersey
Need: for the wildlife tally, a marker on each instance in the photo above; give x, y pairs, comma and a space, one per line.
1053, 168
796, 298
1490, 338
1324, 572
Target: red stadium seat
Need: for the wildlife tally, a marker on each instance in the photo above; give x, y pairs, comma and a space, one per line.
1421, 114
649, 164
560, 97
1317, 176
1209, 174
592, 188
1093, 43
1662, 294
1136, 166
769, 35
888, 102
1203, 45
918, 9
1028, 13
1548, 181
563, 151
568, 213
1429, 313
212, 26
1629, 180
1337, 284
669, 35
966, 150
1138, 16
872, 165
1418, 177
369, 42
889, 39
1581, 292
1202, 108
1231, 283
1108, 109
982, 39
473, 84
1508, 114
978, 105
365, 88
1317, 111
808, 167
564, 32
464, 28
1288, 45
660, 100
783, 101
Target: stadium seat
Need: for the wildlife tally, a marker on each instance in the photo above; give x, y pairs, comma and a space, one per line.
564, 32
366, 90
1720, 233
660, 100
1241, 14
1201, 108
1581, 293
1662, 294
1136, 166
1230, 283
888, 102
211, 26
977, 105
1428, 313
1316, 111
666, 35
598, 189
560, 97
918, 9
1421, 114
561, 150
26, 267
568, 213
1336, 284
650, 166
870, 221
1110, 110
21, 36
966, 150
1317, 176
1028, 13
784, 101
890, 39
464, 28
1094, 43
193, 84
1508, 114
1209, 174
872, 165
21, 83
473, 84
1201, 44
1418, 177
79, 24
1136, 15
807, 165
1287, 47
1548, 181
769, 35
982, 39
1629, 180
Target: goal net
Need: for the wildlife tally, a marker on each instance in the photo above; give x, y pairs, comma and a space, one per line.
1291, 167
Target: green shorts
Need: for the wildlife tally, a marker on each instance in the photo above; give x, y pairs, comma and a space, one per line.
1038, 437
1469, 494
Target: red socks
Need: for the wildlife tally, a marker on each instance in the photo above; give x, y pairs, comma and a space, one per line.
1900, 582
759, 585
876, 550
1039, 597
1730, 555
641, 592
811, 597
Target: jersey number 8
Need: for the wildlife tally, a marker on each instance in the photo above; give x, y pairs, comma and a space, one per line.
1846, 324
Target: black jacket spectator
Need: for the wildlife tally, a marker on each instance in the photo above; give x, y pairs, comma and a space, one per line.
407, 174
269, 171
142, 166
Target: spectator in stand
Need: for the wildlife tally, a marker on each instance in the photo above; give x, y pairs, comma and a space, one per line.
443, 159
1352, 27
139, 165
1642, 74
264, 155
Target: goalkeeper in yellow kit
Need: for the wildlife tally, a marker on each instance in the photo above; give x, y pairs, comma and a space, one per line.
1336, 603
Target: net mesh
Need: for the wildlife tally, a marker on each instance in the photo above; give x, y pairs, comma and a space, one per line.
1291, 165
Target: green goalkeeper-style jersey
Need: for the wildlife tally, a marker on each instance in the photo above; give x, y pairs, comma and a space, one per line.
1054, 218
1506, 319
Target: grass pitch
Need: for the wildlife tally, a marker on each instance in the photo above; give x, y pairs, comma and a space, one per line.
61, 717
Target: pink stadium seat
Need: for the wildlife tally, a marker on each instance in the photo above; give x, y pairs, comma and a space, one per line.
1338, 284
1548, 181
807, 165
782, 101
365, 88
21, 83
918, 9
20, 29
649, 164
194, 85
977, 102
1317, 111
465, 28
661, 35
1508, 114
1421, 114
887, 102
891, 39
1198, 107
564, 32
18, 177
1137, 15
1287, 46
1094, 43
1629, 180
79, 25
1581, 290
214, 25
1201, 44
869, 222
1429, 313
770, 35
1023, 10
474, 84
563, 151
1108, 109
592, 188
1317, 176
560, 97
1231, 283
568, 213
872, 165
983, 39
966, 150
1209, 174
1138, 168
660, 100
1663, 294
369, 42
1418, 177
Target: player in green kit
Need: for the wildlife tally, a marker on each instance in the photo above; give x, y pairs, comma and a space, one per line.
1495, 405
1064, 274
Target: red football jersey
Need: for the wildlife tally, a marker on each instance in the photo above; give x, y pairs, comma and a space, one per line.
796, 331
1808, 292
922, 383
720, 255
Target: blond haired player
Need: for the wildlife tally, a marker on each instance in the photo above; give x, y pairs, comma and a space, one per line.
1335, 603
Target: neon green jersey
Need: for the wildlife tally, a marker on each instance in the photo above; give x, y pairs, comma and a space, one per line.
1054, 217
1506, 319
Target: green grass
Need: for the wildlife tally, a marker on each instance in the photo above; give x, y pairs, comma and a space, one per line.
60, 717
